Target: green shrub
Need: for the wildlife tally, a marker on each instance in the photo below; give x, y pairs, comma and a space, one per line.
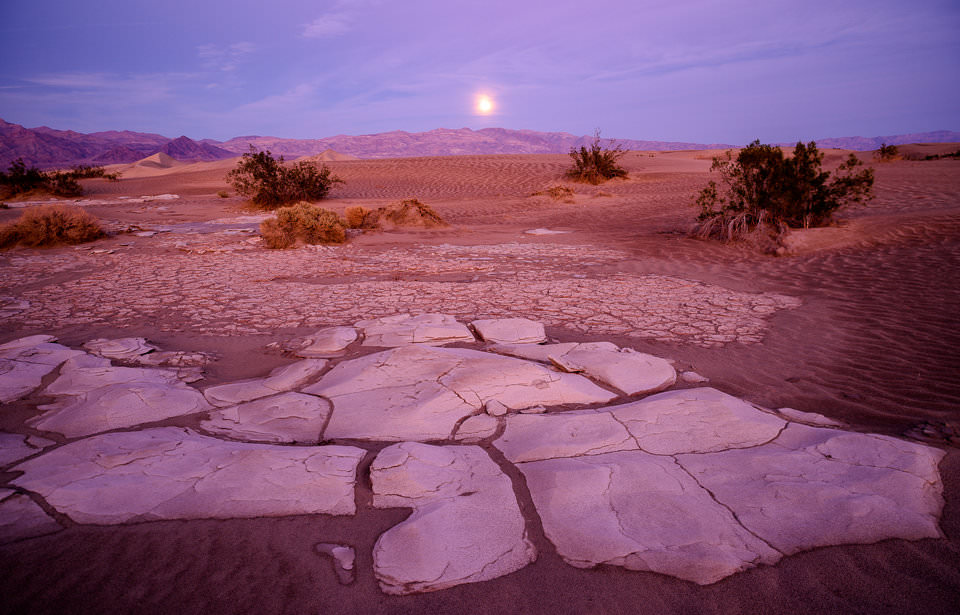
302, 222
595, 164
765, 190
887, 153
50, 225
270, 184
20, 180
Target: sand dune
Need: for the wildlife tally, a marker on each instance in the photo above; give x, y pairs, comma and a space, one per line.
873, 342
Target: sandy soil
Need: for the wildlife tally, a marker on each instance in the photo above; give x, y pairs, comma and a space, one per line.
860, 325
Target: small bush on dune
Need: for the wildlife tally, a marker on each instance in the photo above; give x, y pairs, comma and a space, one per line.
887, 153
595, 164
270, 184
51, 225
765, 191
302, 222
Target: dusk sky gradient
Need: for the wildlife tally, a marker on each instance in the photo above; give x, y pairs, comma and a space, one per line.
687, 70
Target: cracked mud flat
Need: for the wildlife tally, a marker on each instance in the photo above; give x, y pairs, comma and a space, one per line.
819, 333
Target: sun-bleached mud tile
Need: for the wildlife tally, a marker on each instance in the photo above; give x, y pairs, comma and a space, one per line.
21, 517
509, 330
476, 428
629, 371
696, 420
403, 329
325, 343
174, 358
517, 383
466, 524
532, 352
123, 348
815, 487
174, 473
78, 380
531, 437
284, 418
418, 392
813, 419
116, 406
280, 380
24, 363
14, 447
642, 512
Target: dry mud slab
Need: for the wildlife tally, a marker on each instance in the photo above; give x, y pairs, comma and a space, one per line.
854, 340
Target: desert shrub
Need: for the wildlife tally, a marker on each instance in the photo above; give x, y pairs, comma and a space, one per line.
302, 222
765, 191
223, 194
595, 164
270, 184
51, 225
887, 153
359, 216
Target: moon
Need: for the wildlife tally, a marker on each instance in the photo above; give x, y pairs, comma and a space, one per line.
484, 105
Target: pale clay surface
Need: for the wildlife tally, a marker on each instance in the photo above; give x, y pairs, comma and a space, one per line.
419, 392
692, 483
173, 473
624, 369
120, 348
285, 418
510, 331
403, 329
466, 525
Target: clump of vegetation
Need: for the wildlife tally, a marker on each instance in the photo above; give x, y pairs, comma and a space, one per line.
303, 222
19, 180
557, 193
223, 194
596, 164
50, 225
955, 155
887, 153
360, 217
764, 191
408, 213
270, 184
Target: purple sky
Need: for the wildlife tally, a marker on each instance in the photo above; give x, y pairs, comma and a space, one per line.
687, 70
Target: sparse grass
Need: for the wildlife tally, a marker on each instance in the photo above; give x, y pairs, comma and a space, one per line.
596, 164
558, 193
50, 225
302, 222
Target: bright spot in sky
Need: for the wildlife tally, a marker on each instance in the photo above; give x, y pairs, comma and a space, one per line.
484, 105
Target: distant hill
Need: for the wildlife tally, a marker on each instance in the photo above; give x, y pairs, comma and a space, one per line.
46, 147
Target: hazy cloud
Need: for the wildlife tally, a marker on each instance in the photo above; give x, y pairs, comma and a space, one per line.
224, 58
332, 24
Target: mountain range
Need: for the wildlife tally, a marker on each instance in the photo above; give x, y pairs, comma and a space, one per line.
46, 147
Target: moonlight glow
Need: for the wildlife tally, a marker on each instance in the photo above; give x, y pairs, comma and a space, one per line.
484, 105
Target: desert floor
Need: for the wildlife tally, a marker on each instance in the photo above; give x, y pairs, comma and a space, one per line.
861, 324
